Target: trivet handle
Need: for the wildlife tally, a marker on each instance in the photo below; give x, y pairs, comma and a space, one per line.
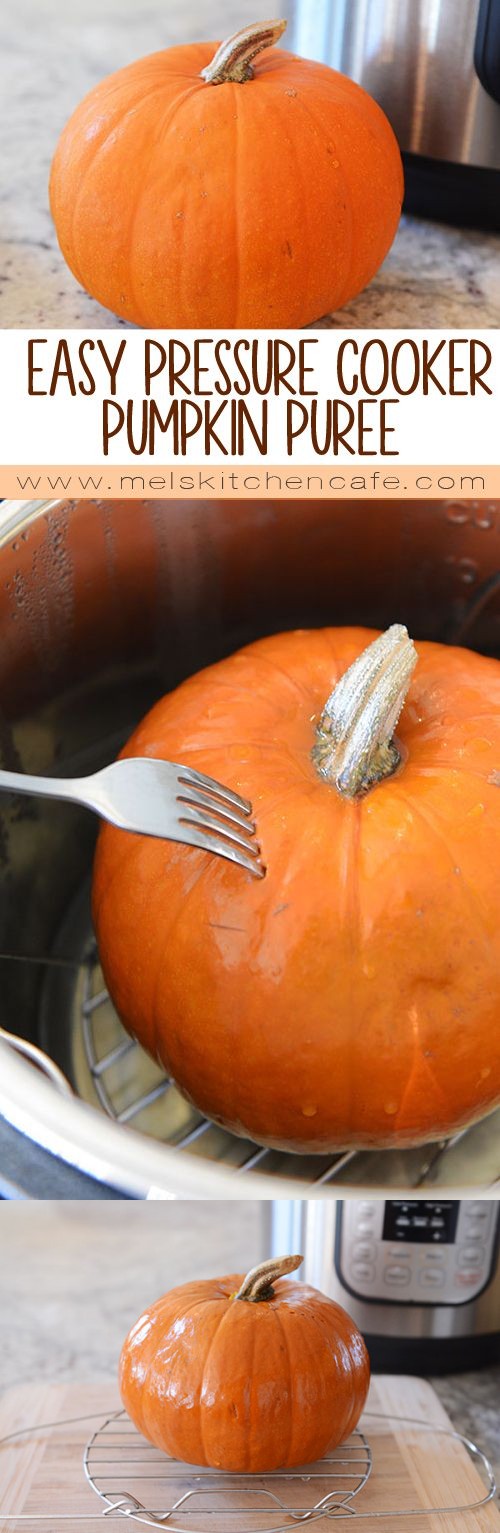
39, 1059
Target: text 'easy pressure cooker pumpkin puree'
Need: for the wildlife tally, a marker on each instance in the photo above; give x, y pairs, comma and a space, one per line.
350, 997
231, 186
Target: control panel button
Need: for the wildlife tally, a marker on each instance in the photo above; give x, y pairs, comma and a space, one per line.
435, 1256
468, 1279
397, 1275
364, 1251
477, 1211
363, 1272
401, 1253
471, 1256
475, 1233
431, 1277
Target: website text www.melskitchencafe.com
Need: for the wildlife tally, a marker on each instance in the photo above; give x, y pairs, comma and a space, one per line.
236, 482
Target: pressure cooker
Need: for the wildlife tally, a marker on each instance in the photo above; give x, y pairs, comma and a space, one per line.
421, 1277
104, 606
434, 67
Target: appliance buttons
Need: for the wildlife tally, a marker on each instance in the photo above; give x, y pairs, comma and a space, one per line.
431, 1276
363, 1272
367, 1210
400, 1275
467, 1279
401, 1253
363, 1251
475, 1233
434, 1255
363, 1227
471, 1256
477, 1211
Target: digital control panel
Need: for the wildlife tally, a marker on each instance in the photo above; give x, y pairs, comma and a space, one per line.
427, 1223
414, 1251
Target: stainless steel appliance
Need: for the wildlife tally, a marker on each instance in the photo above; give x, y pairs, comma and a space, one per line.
421, 1277
102, 607
434, 67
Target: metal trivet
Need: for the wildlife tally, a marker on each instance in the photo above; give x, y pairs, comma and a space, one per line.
132, 1088
82, 1042
118, 1463
116, 1453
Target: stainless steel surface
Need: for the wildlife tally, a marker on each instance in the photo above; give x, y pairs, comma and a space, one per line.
416, 57
311, 1227
157, 798
117, 1462
102, 608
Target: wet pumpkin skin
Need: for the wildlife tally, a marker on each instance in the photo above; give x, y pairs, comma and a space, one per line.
242, 1386
179, 203
351, 997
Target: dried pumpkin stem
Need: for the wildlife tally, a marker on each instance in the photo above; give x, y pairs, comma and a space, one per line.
355, 747
258, 1284
233, 60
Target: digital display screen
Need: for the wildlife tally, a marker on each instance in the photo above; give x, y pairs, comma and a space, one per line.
412, 1221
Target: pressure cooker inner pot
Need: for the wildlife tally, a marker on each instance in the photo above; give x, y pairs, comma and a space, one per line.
103, 607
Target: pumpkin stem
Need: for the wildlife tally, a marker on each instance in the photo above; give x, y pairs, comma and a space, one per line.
233, 59
355, 747
258, 1284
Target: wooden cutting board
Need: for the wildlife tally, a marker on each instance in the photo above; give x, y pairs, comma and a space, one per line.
42, 1473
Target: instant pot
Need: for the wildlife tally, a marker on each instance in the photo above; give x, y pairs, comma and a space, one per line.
421, 1277
434, 67
103, 606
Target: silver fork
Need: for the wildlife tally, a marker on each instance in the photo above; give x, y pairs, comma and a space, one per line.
158, 798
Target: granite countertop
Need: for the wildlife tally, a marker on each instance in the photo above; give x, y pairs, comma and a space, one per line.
53, 53
82, 1272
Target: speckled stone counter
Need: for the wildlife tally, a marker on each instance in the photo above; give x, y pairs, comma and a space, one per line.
53, 52
73, 1278
472, 1401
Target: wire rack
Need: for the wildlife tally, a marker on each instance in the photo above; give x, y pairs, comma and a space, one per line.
133, 1479
303, 1495
133, 1089
85, 1050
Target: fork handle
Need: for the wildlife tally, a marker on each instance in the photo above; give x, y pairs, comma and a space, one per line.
44, 787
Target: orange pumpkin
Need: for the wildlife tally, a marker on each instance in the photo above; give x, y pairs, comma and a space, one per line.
351, 996
234, 1373
188, 190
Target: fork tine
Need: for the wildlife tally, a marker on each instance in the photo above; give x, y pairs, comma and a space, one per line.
222, 828
197, 779
211, 806
223, 848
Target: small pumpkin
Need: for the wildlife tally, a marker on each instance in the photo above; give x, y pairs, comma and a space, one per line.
247, 188
350, 997
244, 1376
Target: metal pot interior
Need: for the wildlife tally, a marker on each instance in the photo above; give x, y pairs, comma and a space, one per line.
104, 606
